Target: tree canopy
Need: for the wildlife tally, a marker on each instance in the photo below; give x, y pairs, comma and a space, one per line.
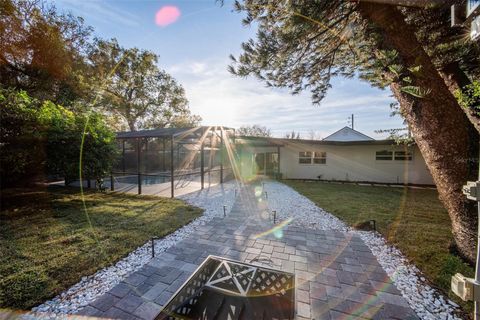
301, 45
254, 131
41, 51
50, 55
55, 81
292, 135
137, 90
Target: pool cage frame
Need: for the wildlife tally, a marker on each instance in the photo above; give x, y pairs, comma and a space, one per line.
198, 140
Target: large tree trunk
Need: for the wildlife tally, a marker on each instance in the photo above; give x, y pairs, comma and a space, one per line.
439, 126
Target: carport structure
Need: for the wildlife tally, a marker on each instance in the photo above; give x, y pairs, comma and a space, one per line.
173, 158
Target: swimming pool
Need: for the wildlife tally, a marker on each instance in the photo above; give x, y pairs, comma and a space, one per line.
146, 180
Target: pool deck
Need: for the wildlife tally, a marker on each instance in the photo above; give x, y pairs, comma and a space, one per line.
182, 187
336, 275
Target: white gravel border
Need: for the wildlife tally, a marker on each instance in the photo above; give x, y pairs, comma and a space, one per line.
428, 303
91, 287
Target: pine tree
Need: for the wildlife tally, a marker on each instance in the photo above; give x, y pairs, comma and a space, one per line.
303, 44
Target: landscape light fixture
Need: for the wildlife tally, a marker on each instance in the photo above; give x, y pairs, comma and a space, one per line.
153, 245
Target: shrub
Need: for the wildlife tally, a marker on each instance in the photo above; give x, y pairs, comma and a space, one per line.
42, 138
469, 97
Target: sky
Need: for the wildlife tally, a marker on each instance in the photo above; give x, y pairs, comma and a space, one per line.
194, 42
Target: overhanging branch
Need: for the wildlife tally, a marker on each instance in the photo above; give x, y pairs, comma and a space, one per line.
407, 3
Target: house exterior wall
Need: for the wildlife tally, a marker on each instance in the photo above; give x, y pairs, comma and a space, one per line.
349, 162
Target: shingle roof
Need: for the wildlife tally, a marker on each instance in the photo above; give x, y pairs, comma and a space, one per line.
166, 132
268, 141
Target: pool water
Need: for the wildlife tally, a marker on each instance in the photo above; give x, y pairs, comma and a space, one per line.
146, 180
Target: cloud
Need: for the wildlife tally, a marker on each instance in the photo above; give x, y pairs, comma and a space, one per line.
100, 11
223, 99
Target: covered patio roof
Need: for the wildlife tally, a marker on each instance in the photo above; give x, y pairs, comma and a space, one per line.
259, 141
167, 132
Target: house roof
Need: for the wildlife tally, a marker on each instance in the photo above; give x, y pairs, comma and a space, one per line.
279, 142
259, 141
160, 132
163, 132
347, 134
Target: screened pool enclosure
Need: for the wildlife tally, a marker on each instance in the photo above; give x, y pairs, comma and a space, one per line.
170, 161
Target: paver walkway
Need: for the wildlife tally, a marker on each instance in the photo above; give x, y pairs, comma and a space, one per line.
336, 275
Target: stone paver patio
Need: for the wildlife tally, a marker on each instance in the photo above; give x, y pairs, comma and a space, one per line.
336, 275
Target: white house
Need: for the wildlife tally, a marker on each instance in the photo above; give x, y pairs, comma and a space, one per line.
345, 155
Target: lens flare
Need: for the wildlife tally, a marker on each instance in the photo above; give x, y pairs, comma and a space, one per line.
258, 192
277, 231
167, 15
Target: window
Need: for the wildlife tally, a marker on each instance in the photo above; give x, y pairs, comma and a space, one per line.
305, 157
403, 155
320, 157
390, 155
384, 155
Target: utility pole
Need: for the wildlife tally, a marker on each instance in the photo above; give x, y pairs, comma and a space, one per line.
351, 120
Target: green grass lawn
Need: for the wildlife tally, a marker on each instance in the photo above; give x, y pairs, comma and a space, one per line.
413, 220
48, 241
